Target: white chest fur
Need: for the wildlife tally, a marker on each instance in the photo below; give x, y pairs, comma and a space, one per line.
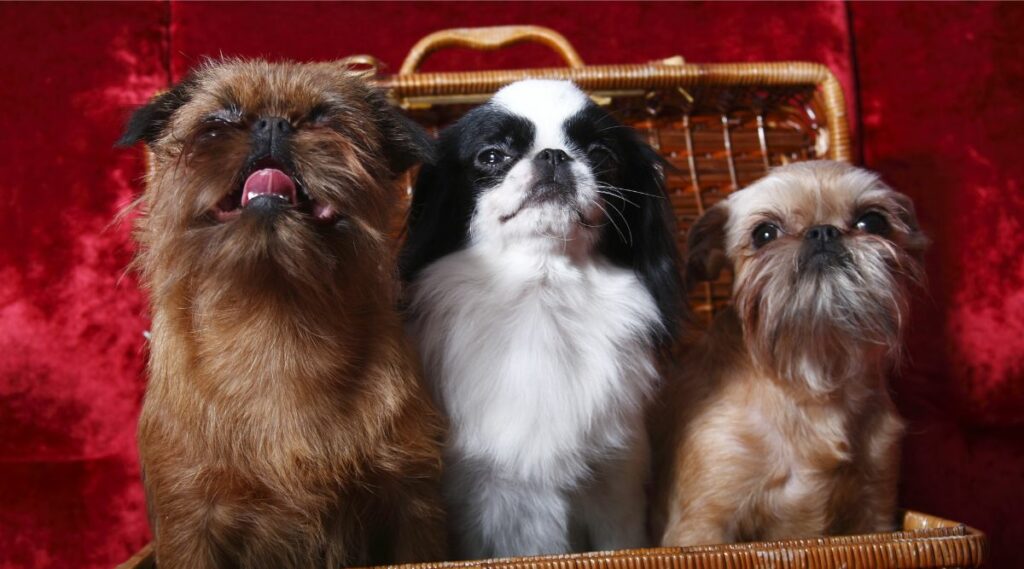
543, 365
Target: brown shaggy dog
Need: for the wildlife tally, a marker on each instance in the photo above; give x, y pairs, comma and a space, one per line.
284, 423
781, 425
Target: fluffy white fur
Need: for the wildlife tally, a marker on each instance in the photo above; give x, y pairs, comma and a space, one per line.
540, 352
543, 367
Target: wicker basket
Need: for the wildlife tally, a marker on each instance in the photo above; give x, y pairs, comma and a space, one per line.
722, 127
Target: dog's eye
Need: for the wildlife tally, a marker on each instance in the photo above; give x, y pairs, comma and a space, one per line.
211, 124
599, 154
320, 114
764, 234
215, 125
874, 223
492, 157
224, 117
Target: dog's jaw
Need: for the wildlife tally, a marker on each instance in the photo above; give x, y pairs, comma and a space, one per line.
274, 186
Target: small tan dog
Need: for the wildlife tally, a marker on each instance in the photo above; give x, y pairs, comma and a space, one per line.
780, 425
285, 424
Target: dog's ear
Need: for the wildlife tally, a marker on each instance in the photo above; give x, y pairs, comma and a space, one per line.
148, 121
439, 213
405, 142
705, 246
916, 241
647, 240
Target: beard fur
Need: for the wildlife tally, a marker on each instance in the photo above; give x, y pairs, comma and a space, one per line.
820, 327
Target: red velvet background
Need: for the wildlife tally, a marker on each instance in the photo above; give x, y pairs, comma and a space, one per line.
935, 92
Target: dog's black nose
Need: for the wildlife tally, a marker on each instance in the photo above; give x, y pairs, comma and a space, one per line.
552, 156
270, 137
272, 126
822, 233
823, 248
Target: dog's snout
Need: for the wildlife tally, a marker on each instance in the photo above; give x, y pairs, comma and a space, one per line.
270, 137
552, 156
822, 248
822, 233
272, 126
553, 165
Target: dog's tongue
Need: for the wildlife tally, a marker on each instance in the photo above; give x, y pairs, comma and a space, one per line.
269, 181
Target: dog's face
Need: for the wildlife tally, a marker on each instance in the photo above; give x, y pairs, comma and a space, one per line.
540, 165
261, 161
822, 253
534, 158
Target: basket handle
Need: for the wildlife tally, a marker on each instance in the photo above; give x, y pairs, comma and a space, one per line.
489, 38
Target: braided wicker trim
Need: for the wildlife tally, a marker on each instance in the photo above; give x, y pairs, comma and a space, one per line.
940, 544
442, 87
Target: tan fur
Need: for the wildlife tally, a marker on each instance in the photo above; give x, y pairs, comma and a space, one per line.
780, 424
284, 424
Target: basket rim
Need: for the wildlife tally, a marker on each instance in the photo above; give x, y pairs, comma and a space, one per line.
787, 72
925, 542
443, 87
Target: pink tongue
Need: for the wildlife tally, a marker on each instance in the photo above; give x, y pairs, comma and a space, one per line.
268, 181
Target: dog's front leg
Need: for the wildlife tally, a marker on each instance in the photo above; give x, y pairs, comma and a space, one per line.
419, 529
501, 517
614, 504
182, 544
870, 504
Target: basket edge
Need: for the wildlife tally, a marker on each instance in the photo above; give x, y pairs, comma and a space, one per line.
437, 85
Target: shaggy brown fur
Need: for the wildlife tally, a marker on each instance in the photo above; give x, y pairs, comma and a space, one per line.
780, 424
284, 424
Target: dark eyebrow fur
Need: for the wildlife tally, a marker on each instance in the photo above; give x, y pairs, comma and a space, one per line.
590, 124
494, 126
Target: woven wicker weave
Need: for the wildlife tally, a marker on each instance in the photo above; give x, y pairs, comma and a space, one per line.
721, 127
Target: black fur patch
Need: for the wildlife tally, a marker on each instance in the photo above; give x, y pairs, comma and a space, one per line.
649, 247
446, 191
148, 121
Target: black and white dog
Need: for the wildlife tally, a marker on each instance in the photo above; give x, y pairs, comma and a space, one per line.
543, 284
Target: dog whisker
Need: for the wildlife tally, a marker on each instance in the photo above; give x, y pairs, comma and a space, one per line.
611, 219
618, 195
621, 189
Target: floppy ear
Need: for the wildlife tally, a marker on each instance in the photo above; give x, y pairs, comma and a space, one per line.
148, 121
649, 240
405, 142
438, 218
916, 242
705, 246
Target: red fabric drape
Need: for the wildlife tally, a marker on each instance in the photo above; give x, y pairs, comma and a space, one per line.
939, 115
